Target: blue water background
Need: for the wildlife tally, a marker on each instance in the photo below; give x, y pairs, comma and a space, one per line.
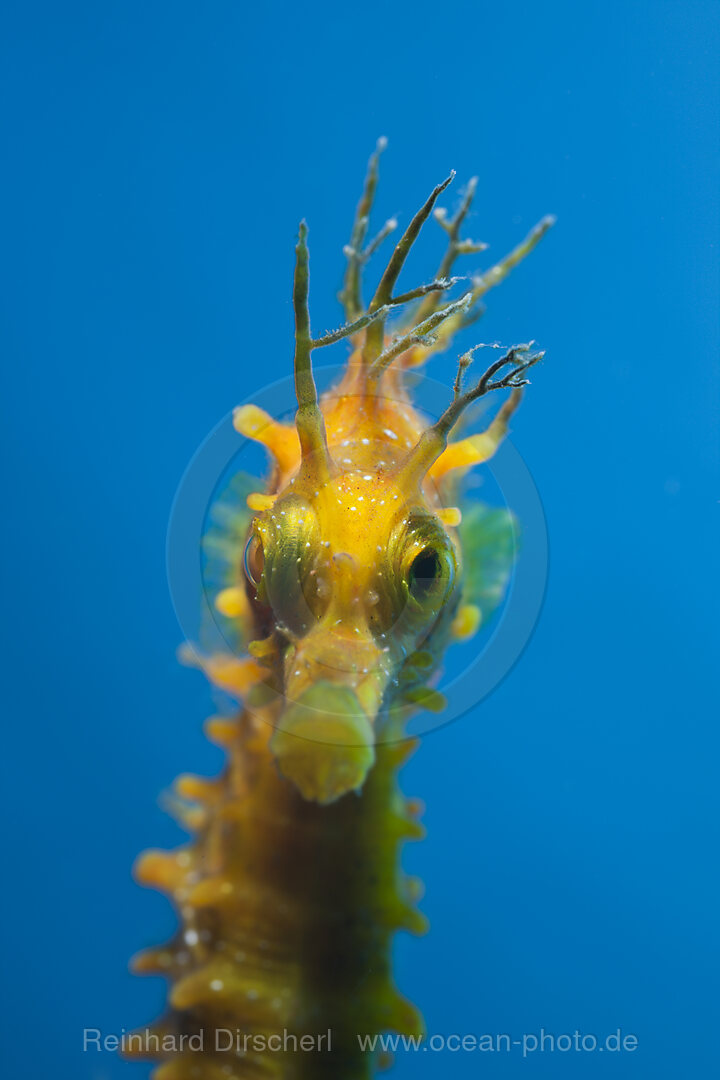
158, 158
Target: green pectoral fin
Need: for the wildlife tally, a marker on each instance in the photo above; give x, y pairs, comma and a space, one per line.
489, 539
223, 546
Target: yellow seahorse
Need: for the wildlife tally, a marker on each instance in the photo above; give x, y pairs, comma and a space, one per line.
348, 586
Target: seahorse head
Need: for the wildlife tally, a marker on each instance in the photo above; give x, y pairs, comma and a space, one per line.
361, 575
354, 565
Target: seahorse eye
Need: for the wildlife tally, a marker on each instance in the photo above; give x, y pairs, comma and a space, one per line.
425, 569
418, 577
290, 546
254, 560
431, 574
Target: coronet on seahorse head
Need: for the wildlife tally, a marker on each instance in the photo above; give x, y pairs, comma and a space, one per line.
354, 568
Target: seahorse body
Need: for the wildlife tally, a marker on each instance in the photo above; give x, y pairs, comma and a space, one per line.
291, 890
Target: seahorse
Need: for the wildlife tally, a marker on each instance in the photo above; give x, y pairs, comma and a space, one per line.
346, 579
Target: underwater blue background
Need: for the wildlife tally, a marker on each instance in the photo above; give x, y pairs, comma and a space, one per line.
158, 158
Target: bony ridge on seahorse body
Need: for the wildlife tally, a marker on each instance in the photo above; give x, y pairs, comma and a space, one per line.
347, 586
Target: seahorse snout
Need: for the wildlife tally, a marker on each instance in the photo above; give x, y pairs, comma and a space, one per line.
324, 743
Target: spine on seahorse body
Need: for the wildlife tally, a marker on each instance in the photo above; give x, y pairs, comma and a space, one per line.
286, 910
